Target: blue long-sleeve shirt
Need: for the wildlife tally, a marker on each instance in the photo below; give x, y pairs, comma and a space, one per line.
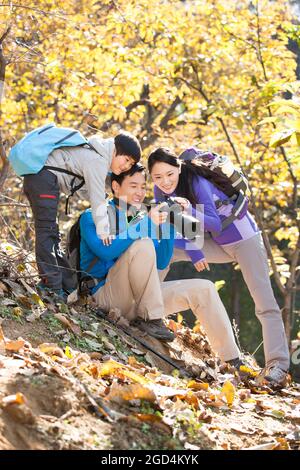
91, 246
207, 194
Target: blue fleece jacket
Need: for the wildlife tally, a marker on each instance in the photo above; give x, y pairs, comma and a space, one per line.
91, 246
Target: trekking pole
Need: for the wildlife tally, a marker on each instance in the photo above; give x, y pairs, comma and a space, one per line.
184, 372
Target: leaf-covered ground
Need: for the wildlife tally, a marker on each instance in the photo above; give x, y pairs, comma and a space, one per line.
72, 380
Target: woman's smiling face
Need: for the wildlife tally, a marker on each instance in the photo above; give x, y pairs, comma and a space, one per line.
165, 176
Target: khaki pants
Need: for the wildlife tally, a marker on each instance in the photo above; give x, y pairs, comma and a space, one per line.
133, 286
201, 296
252, 258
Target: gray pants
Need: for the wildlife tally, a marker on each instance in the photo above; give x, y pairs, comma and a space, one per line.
252, 258
42, 192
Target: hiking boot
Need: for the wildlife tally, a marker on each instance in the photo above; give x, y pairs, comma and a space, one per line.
244, 370
155, 328
236, 363
276, 378
58, 295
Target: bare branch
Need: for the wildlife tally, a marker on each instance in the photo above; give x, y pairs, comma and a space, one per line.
5, 34
259, 51
37, 10
3, 157
16, 204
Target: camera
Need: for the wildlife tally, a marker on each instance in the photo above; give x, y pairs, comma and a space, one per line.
185, 224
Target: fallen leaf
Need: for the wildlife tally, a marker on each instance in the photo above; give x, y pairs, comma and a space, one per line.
179, 318
138, 352
17, 399
266, 446
123, 322
172, 325
244, 394
20, 268
95, 355
294, 435
93, 370
18, 311
63, 320
15, 287
294, 416
37, 300
134, 363
191, 399
21, 413
68, 323
249, 371
35, 315
275, 413
51, 349
165, 391
110, 332
3, 287
2, 341
68, 352
121, 373
24, 300
90, 334
282, 444
156, 420
114, 314
240, 430
8, 302
228, 390
94, 345
122, 356
225, 446
220, 284
121, 393
150, 359
73, 297
108, 344
217, 404
198, 385
2, 335
14, 346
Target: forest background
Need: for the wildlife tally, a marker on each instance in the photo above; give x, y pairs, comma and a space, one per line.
220, 74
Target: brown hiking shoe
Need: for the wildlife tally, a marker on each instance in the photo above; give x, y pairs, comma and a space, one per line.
276, 378
155, 328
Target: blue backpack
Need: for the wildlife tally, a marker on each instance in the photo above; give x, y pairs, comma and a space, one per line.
29, 155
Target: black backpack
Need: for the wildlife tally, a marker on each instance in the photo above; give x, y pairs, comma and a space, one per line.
82, 279
217, 166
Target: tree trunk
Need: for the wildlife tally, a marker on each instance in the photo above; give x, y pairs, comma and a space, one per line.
3, 158
286, 314
5, 164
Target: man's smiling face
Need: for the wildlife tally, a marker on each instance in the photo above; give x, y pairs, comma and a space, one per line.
132, 189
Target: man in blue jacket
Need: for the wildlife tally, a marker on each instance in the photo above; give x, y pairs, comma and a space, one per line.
129, 275
126, 271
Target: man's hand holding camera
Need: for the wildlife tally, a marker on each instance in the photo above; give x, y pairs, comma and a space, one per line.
157, 216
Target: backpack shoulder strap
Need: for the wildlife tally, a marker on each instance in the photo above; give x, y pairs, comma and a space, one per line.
62, 170
93, 148
241, 200
92, 263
